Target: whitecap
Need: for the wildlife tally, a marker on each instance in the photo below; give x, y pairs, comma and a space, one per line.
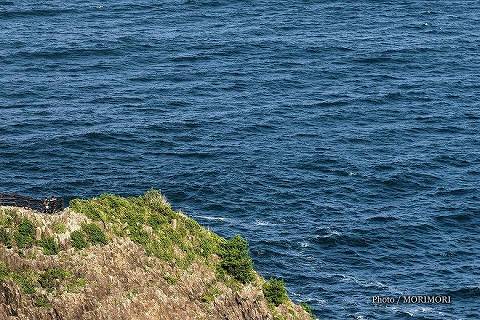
304, 244
212, 218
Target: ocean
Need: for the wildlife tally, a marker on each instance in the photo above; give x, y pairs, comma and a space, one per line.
341, 138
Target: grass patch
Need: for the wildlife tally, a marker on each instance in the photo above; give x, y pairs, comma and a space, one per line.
211, 294
171, 280
27, 280
275, 292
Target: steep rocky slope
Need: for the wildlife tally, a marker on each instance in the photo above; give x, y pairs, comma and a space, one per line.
129, 258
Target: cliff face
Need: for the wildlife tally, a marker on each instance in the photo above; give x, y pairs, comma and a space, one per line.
135, 258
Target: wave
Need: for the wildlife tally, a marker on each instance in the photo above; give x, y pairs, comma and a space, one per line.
464, 293
382, 218
212, 218
33, 12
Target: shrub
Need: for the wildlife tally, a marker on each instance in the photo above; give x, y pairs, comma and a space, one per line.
236, 259
49, 245
95, 235
51, 278
26, 280
86, 207
155, 221
5, 238
42, 302
138, 235
78, 239
275, 292
25, 235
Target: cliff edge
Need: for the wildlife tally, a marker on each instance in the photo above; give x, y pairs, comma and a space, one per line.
129, 258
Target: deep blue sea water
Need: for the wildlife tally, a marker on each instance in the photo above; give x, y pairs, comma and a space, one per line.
340, 137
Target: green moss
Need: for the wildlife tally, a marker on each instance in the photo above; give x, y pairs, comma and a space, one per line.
49, 245
25, 234
78, 239
236, 259
275, 292
94, 234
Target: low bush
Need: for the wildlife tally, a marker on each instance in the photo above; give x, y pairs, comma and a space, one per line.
236, 259
5, 238
26, 280
94, 234
25, 235
78, 239
49, 245
275, 292
51, 278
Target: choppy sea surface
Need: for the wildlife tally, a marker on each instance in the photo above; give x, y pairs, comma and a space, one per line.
340, 137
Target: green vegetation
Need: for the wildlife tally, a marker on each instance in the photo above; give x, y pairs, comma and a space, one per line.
25, 234
149, 221
78, 239
211, 294
42, 302
76, 284
49, 245
94, 234
5, 238
51, 278
236, 259
26, 280
59, 227
171, 280
275, 292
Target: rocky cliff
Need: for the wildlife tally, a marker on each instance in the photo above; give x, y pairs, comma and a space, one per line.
129, 258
